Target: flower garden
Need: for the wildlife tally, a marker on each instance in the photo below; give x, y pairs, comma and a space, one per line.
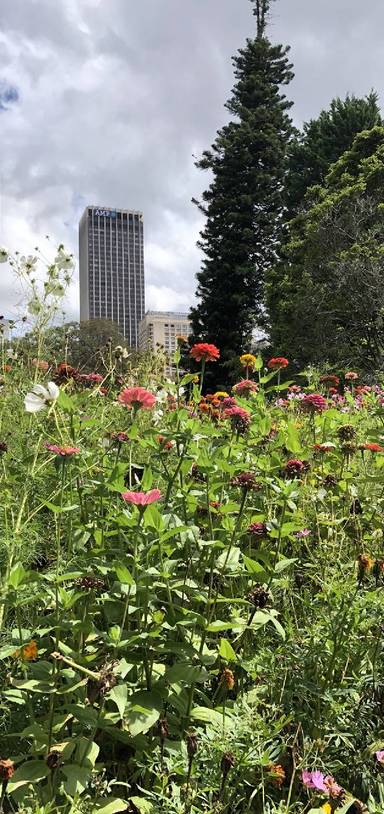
191, 602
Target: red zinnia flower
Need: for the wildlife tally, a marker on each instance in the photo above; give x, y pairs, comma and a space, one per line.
372, 447
277, 363
258, 529
314, 402
204, 352
137, 397
323, 447
64, 452
142, 498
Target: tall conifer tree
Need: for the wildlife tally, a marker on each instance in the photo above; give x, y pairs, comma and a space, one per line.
244, 202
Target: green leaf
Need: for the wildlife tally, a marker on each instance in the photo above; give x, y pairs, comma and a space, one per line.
17, 576
77, 778
143, 806
66, 402
33, 771
147, 479
254, 567
123, 574
110, 807
119, 695
187, 673
292, 441
207, 716
226, 651
143, 710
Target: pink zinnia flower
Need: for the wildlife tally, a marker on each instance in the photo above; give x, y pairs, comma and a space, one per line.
142, 498
245, 387
64, 452
229, 402
351, 376
91, 378
314, 402
380, 756
294, 467
137, 397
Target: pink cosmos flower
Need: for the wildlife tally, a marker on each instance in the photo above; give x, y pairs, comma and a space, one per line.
313, 780
380, 757
142, 498
137, 397
64, 452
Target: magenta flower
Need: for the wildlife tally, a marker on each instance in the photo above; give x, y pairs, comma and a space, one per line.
314, 402
137, 397
302, 534
313, 780
64, 452
142, 498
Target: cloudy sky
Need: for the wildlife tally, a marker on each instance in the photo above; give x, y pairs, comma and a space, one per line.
107, 101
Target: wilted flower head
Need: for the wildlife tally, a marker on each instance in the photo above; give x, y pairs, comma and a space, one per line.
364, 565
4, 253
247, 481
40, 396
277, 363
277, 773
330, 380
204, 352
347, 432
7, 769
294, 467
314, 402
142, 498
3, 447
27, 653
65, 372
137, 397
259, 596
227, 679
245, 387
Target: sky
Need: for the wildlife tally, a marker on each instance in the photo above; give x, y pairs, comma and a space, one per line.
107, 102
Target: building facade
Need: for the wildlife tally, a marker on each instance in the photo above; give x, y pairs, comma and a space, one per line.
111, 250
160, 329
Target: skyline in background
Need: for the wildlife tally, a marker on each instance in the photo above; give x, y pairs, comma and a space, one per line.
108, 104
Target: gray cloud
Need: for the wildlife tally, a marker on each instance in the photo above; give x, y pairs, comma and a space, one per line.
116, 96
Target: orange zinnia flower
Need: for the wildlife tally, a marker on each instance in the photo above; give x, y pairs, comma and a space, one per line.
27, 653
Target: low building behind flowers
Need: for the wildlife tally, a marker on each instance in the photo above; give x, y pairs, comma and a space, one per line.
161, 329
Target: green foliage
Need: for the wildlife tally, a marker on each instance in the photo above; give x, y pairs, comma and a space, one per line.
243, 205
323, 141
325, 296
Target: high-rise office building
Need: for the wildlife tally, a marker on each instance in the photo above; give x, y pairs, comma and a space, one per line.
160, 329
111, 248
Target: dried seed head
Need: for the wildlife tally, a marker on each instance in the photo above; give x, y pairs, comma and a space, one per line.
53, 760
259, 597
192, 743
227, 762
162, 729
347, 432
7, 768
227, 679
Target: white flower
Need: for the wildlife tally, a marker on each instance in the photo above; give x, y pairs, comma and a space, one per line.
64, 260
39, 396
3, 254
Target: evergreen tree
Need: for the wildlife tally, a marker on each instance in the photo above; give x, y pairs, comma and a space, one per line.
244, 203
323, 141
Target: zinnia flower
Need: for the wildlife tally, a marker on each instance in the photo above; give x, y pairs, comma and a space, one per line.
91, 378
330, 380
204, 352
64, 452
245, 387
324, 447
380, 757
40, 364
277, 363
40, 396
248, 360
351, 376
372, 447
257, 529
142, 498
137, 397
247, 481
314, 402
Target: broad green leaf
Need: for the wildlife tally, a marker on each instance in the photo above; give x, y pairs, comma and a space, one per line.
226, 650
66, 402
207, 716
187, 673
33, 771
110, 807
119, 695
143, 806
143, 710
17, 576
77, 778
123, 574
